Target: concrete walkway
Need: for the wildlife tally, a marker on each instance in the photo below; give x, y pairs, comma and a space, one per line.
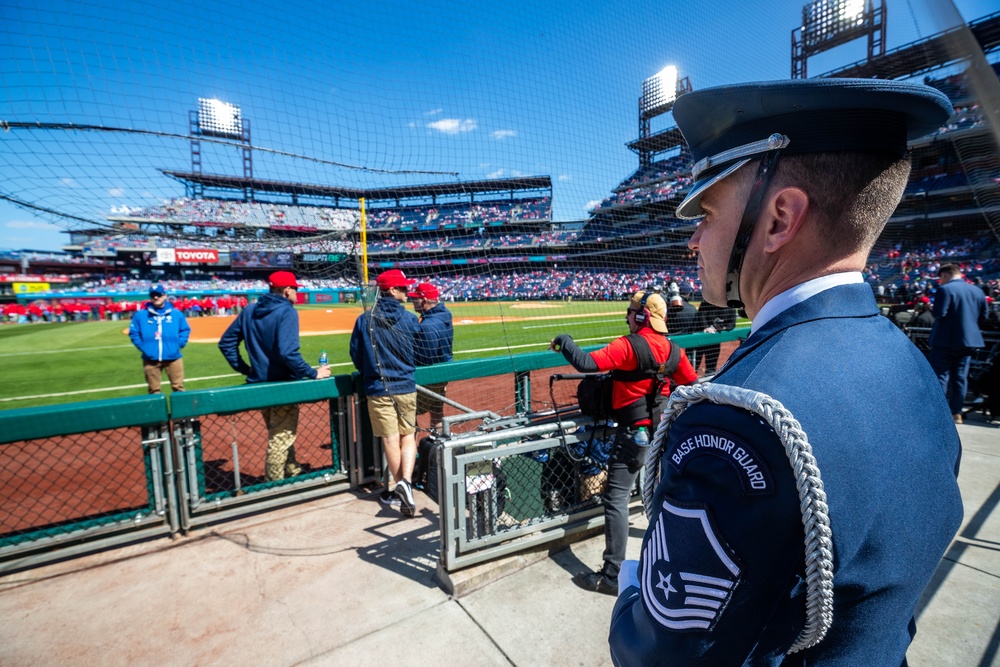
345, 581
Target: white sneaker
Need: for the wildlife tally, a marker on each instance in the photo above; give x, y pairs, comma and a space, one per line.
405, 494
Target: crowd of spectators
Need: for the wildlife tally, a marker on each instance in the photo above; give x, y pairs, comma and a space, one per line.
903, 270
218, 213
658, 171
231, 213
461, 215
150, 242
662, 191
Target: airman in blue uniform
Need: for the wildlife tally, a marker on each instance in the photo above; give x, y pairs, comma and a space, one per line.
794, 181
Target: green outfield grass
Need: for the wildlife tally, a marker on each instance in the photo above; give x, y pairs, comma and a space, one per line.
46, 364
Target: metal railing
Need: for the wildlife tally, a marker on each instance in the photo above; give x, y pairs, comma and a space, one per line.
83, 477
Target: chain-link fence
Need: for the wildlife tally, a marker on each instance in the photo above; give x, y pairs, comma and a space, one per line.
530, 483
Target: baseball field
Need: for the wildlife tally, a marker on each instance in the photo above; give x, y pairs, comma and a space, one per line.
50, 363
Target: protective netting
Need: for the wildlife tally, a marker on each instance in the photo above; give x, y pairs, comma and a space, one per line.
495, 152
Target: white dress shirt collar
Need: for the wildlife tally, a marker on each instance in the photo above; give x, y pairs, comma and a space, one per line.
800, 293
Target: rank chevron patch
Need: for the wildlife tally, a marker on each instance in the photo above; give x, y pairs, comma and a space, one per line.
688, 573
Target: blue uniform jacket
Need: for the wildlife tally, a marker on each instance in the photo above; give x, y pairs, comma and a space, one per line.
722, 567
387, 367
159, 334
958, 309
435, 336
269, 330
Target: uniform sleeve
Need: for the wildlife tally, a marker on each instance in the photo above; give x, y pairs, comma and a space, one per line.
722, 565
288, 347
423, 341
942, 303
617, 355
184, 331
229, 345
134, 332
685, 373
356, 342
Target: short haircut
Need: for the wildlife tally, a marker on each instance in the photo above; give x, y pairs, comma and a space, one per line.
950, 269
852, 194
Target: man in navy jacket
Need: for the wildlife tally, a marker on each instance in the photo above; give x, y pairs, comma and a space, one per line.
958, 309
160, 331
749, 558
382, 349
433, 344
269, 330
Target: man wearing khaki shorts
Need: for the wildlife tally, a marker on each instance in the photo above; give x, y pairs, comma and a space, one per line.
382, 349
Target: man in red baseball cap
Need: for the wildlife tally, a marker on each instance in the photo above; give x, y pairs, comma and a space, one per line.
382, 349
269, 330
282, 279
393, 279
434, 343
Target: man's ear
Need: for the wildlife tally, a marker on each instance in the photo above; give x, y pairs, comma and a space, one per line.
786, 213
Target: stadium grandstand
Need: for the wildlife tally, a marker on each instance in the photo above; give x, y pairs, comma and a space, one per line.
496, 238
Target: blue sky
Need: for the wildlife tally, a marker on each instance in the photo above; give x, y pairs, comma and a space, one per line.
482, 89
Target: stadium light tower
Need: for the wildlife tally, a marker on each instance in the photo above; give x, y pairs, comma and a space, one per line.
219, 119
215, 118
830, 23
658, 95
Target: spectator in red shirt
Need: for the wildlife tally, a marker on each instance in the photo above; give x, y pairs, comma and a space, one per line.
637, 398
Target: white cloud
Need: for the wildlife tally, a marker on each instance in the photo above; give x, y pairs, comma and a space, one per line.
453, 125
116, 192
411, 124
433, 112
483, 165
592, 204
503, 134
69, 182
495, 174
30, 224
565, 177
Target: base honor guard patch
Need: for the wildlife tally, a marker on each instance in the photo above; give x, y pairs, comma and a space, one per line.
750, 469
688, 573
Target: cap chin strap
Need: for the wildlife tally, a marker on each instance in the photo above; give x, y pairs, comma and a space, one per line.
765, 171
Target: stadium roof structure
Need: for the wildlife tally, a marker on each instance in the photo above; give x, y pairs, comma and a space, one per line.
393, 193
658, 142
923, 55
911, 59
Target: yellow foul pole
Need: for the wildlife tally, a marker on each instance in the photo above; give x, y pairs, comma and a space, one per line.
364, 244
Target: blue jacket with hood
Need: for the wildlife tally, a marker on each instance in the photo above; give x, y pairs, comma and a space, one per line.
435, 338
269, 330
387, 366
159, 333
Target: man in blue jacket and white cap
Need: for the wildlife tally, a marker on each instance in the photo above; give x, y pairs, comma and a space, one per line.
269, 330
799, 503
160, 331
382, 349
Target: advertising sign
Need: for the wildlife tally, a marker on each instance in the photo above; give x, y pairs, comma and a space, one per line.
196, 256
30, 288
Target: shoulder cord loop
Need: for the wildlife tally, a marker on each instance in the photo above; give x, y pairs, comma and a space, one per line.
812, 497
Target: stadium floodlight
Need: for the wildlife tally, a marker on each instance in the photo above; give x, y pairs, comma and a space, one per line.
825, 21
219, 119
659, 90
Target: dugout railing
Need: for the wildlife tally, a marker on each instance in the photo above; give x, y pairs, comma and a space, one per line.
88, 476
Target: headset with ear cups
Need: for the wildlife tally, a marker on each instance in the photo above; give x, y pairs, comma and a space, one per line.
642, 314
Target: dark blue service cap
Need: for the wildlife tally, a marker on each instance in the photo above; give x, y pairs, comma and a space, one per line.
727, 126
